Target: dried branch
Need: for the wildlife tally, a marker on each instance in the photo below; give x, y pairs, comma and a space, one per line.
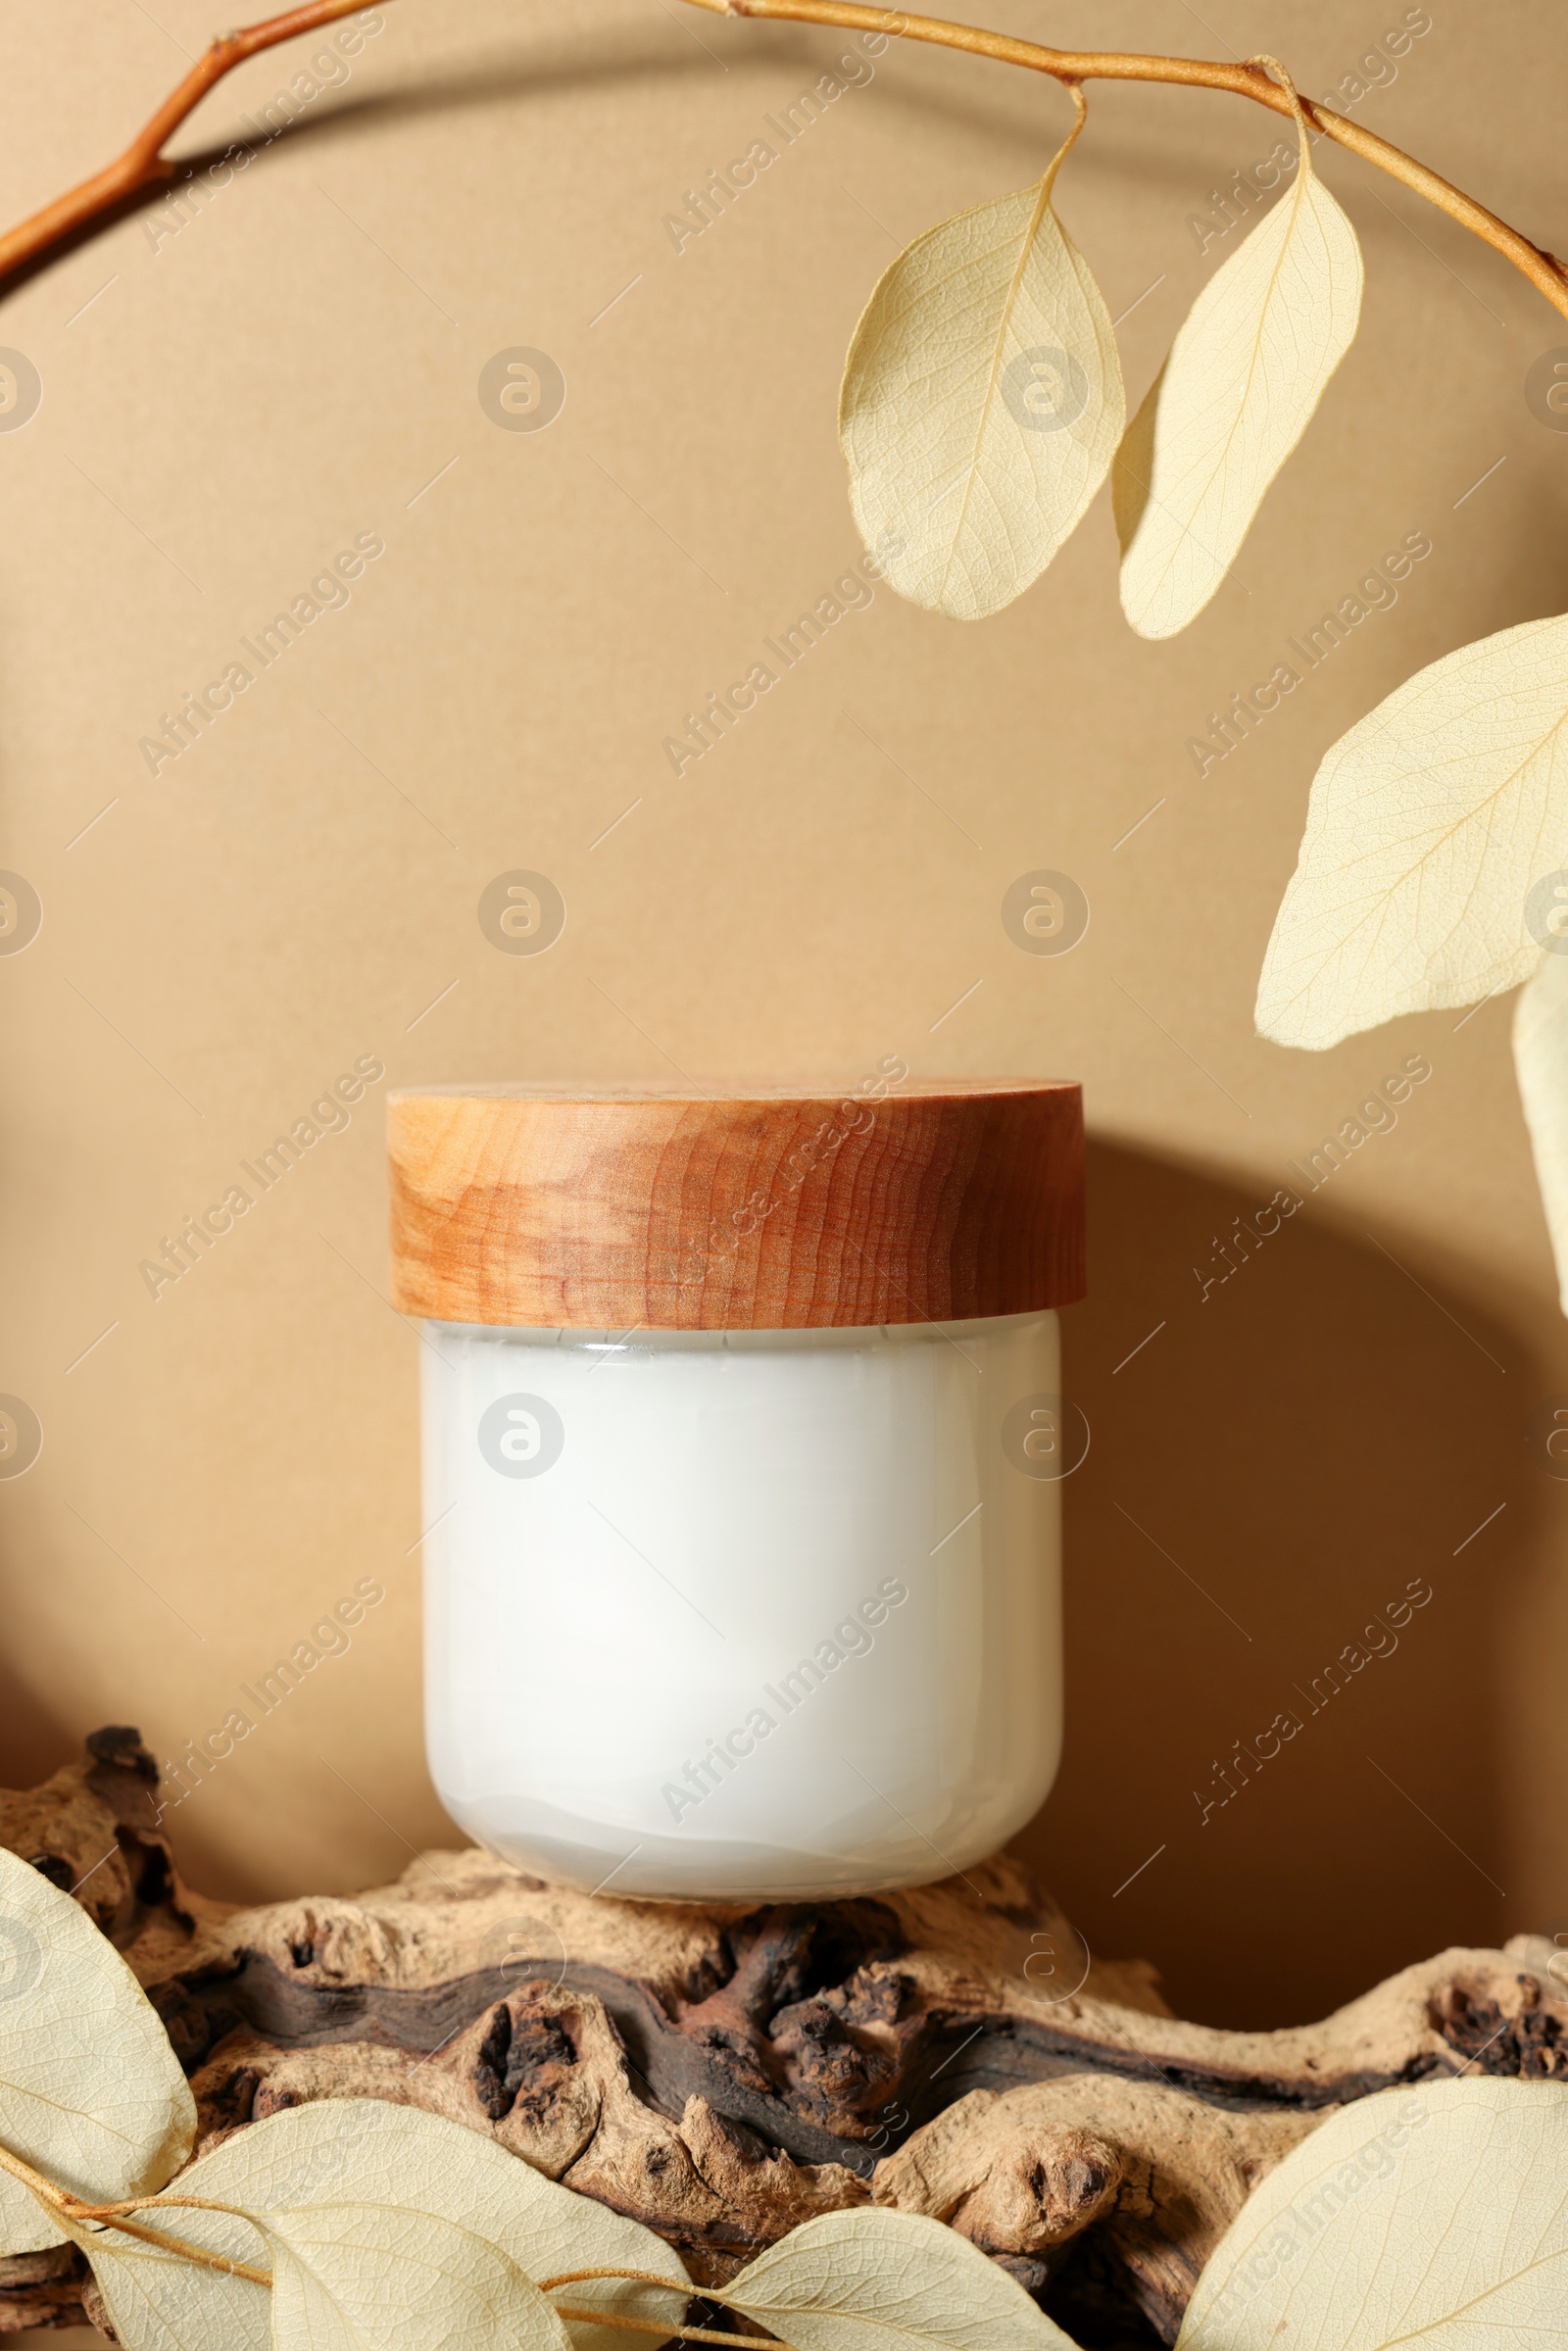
144, 165
1070, 65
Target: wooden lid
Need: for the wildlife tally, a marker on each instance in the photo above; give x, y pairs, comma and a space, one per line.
753, 1208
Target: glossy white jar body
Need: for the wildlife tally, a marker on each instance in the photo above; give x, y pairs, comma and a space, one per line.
743, 1613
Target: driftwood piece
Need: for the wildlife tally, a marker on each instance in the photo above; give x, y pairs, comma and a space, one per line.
725, 2072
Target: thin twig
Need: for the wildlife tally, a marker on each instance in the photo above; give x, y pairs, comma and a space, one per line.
144, 165
671, 2285
599, 2318
1543, 269
183, 2246
72, 2210
161, 2202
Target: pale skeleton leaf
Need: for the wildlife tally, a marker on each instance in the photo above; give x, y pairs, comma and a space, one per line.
1432, 2218
875, 2281
91, 2094
1540, 1060
1429, 825
382, 2226
982, 404
1237, 391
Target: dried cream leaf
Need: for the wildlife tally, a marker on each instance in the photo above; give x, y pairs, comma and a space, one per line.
91, 2094
1430, 825
1236, 393
1541, 1060
379, 2275
403, 2224
1432, 2217
981, 406
875, 2281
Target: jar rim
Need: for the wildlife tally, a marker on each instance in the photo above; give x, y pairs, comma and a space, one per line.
652, 1342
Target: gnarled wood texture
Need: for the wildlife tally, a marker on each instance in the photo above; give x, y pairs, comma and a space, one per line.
723, 2073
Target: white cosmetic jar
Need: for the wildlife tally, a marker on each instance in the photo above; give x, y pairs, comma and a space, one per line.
717, 1608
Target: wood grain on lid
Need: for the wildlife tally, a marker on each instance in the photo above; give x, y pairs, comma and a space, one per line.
755, 1207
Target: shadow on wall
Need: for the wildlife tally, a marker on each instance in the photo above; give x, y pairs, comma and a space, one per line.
1279, 1778
34, 1742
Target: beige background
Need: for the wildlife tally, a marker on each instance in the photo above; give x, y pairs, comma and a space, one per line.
295, 367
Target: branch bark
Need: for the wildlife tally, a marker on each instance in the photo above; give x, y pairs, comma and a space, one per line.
144, 165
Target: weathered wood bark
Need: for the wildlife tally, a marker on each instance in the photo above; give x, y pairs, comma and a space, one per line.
723, 2073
